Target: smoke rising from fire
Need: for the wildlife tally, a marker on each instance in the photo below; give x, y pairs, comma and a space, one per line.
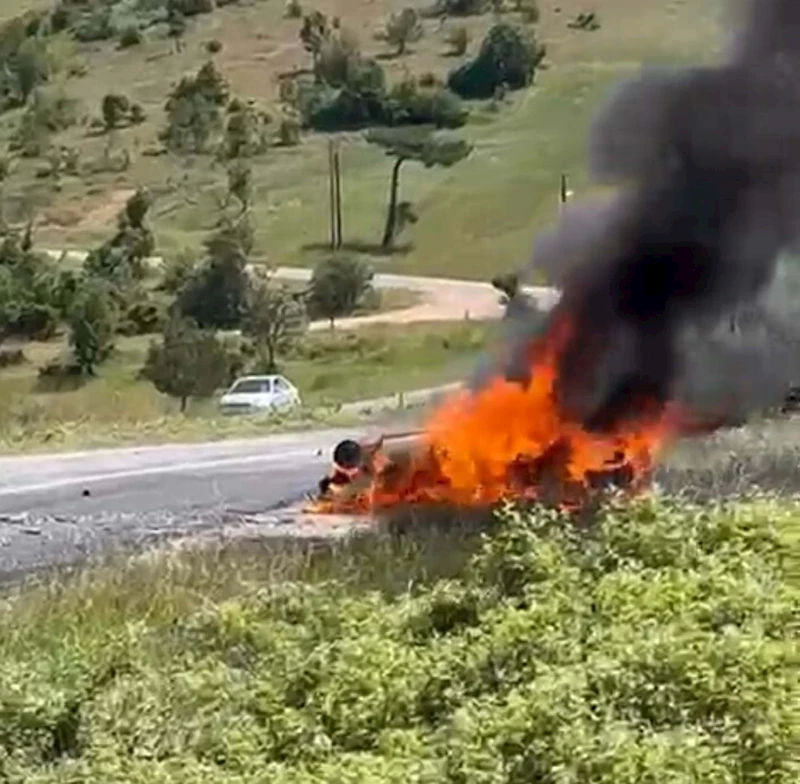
705, 163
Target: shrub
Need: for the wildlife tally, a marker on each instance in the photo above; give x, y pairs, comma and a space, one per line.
337, 287
95, 25
294, 9
461, 7
186, 363
411, 104
458, 40
137, 114
12, 357
289, 132
509, 56
143, 316
130, 36
402, 29
214, 46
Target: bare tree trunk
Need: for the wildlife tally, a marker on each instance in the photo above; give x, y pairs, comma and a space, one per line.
391, 218
184, 401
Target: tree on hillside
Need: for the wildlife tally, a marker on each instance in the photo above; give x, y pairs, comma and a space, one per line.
187, 362
274, 319
245, 130
121, 259
216, 294
92, 324
26, 70
194, 110
338, 285
413, 144
115, 108
240, 184
402, 29
508, 59
314, 32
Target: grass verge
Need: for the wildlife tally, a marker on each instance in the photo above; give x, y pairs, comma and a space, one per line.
329, 368
655, 645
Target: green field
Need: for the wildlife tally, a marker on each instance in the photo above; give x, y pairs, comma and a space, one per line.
328, 368
475, 219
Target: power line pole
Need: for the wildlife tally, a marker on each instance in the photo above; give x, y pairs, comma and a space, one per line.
338, 179
332, 194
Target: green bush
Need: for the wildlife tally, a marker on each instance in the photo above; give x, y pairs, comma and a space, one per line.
411, 104
458, 39
508, 58
461, 7
130, 36
96, 25
651, 643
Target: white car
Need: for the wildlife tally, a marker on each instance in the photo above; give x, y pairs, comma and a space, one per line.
254, 394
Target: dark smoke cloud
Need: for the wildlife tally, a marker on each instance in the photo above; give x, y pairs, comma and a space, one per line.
705, 164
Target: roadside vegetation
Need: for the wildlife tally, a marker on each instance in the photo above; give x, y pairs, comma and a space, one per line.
654, 642
121, 405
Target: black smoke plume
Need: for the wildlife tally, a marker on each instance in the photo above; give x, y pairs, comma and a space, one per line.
705, 163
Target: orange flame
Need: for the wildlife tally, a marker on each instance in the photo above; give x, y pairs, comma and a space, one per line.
510, 440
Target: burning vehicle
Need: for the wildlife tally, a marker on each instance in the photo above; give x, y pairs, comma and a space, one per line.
704, 163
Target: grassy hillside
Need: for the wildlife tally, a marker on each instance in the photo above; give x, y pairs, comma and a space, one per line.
654, 646
476, 218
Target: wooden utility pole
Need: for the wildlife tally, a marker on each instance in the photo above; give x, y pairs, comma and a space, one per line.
335, 186
332, 194
563, 194
338, 180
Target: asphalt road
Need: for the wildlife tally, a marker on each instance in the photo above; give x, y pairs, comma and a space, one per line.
57, 509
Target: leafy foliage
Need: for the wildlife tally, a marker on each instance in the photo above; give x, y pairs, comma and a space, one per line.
216, 294
275, 318
246, 130
461, 7
187, 363
115, 108
121, 259
92, 324
458, 39
33, 293
49, 111
653, 646
314, 32
194, 111
338, 285
508, 58
403, 28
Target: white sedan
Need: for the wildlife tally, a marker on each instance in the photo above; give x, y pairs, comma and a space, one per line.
254, 394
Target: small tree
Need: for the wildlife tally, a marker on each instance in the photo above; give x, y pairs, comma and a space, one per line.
121, 259
458, 40
115, 108
314, 32
187, 362
413, 144
508, 58
337, 287
275, 318
194, 110
402, 29
240, 184
92, 324
216, 294
245, 131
